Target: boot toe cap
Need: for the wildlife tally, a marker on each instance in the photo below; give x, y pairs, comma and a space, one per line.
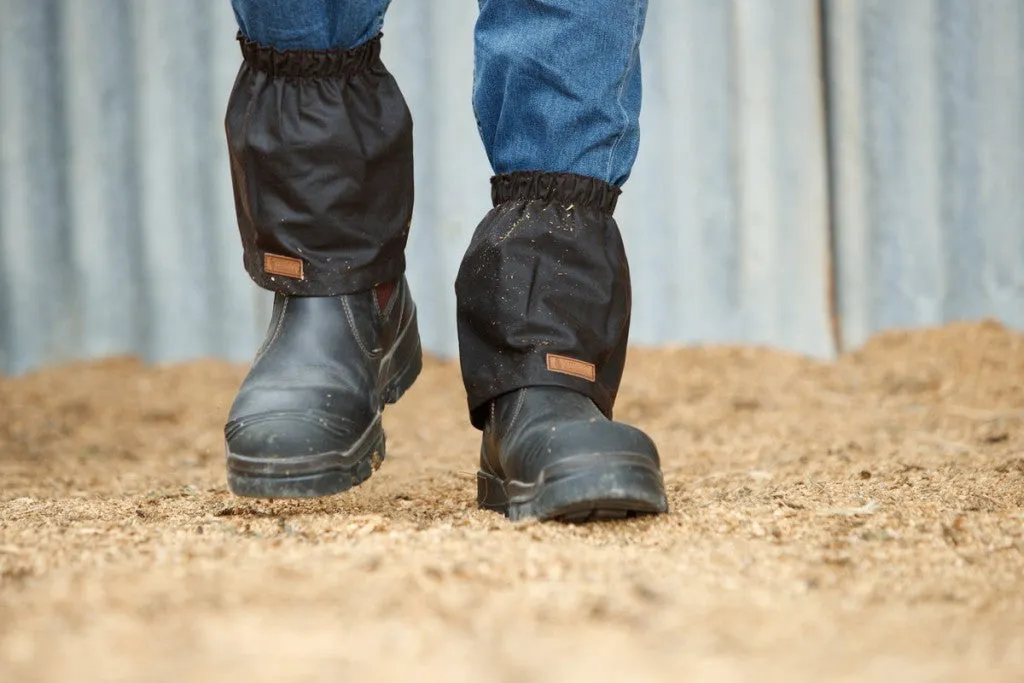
573, 444
600, 436
290, 434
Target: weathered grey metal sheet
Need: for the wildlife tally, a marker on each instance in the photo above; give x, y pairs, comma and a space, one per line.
928, 137
726, 215
33, 254
116, 218
115, 205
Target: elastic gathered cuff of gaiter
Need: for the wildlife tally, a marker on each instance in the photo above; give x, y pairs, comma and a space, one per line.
565, 188
331, 63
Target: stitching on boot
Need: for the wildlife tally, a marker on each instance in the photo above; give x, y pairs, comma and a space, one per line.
385, 313
277, 332
376, 304
355, 330
520, 399
395, 292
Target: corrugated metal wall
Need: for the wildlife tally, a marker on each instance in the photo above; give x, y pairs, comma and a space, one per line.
115, 204
928, 128
116, 221
726, 215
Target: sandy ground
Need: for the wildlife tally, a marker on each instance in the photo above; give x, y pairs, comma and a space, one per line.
862, 520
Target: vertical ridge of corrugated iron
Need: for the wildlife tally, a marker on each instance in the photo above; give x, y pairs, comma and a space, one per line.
117, 226
116, 213
928, 139
38, 317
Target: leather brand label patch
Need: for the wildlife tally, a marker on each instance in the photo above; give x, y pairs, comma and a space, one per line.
285, 266
571, 366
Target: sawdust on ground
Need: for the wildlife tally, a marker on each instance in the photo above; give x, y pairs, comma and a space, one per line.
830, 521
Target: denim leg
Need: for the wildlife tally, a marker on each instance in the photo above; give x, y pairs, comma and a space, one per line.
310, 24
557, 85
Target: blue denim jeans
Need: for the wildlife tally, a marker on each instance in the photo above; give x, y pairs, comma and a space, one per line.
557, 82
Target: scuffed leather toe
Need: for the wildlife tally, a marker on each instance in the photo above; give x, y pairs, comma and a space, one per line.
287, 434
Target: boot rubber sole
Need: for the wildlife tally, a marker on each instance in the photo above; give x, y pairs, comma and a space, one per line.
324, 474
579, 489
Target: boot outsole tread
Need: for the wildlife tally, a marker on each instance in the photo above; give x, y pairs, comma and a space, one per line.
604, 491
327, 482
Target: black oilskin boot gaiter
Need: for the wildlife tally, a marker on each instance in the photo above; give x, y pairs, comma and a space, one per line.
320, 143
544, 291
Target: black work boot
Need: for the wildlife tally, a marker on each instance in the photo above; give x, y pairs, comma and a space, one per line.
307, 419
544, 305
549, 453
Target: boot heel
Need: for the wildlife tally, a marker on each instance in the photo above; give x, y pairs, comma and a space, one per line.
490, 493
404, 363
